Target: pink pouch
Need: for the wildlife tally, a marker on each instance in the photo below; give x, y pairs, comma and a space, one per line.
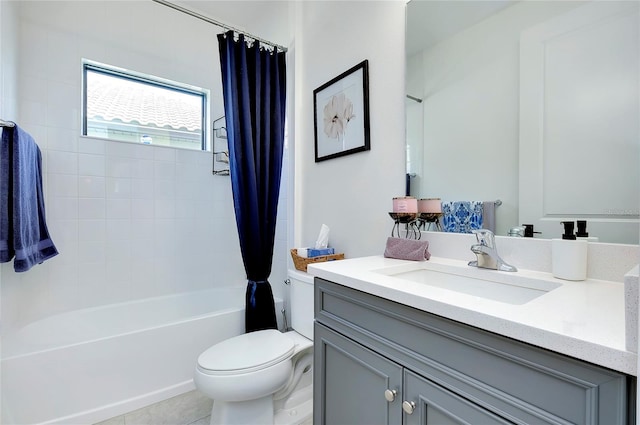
407, 249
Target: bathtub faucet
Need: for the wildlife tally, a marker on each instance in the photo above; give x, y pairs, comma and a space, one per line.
487, 253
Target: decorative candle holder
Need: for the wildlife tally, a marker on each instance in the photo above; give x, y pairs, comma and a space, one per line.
428, 220
410, 221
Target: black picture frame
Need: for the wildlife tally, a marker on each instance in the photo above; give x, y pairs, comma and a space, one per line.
341, 114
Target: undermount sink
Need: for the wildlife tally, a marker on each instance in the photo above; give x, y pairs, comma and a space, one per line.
510, 288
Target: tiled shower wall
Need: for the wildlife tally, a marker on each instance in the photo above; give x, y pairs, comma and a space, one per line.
130, 221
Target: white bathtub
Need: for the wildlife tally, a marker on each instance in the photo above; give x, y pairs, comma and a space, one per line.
89, 365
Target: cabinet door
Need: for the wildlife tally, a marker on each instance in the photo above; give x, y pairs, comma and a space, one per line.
350, 383
431, 404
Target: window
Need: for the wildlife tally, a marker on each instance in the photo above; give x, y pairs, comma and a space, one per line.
125, 106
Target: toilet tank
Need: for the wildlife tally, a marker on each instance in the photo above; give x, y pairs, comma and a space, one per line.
301, 302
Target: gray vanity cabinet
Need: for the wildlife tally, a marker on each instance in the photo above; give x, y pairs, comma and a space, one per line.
380, 362
356, 380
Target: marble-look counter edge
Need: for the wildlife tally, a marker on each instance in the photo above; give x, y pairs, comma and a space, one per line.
606, 348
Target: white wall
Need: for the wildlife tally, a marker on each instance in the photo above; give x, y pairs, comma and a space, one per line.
352, 194
130, 221
470, 86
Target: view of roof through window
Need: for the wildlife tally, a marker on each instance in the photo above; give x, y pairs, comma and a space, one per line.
134, 110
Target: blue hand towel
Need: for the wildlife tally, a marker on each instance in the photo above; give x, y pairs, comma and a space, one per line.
6, 203
24, 224
462, 216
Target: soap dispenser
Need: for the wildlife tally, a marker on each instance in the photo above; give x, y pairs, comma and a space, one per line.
582, 233
569, 255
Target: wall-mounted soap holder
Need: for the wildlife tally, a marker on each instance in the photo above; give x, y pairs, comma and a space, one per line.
220, 148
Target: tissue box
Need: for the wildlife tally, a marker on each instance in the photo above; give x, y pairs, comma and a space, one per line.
313, 252
301, 263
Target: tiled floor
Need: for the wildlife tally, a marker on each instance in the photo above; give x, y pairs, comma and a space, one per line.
191, 408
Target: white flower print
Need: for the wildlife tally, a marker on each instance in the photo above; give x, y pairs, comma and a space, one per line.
338, 112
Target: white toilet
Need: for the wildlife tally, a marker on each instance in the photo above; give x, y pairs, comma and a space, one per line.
251, 377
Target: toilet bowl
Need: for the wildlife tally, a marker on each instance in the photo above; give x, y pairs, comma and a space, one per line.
247, 375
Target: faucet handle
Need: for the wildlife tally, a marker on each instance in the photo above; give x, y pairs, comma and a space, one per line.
485, 237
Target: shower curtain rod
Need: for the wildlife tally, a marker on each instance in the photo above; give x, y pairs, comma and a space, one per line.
217, 23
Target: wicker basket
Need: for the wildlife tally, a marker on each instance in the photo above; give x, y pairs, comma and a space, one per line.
301, 263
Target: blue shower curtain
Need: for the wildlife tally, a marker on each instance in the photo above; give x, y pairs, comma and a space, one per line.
254, 90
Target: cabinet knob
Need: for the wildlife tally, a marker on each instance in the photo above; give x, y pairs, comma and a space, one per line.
390, 395
408, 407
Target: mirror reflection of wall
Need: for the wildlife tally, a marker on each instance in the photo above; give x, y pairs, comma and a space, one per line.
463, 139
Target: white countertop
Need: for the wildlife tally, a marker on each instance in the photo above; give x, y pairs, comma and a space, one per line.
584, 319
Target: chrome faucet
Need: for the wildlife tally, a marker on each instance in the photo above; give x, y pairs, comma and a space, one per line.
487, 253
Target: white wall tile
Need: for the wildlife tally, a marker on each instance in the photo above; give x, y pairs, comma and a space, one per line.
91, 164
91, 252
91, 230
187, 209
92, 208
92, 277
64, 234
118, 229
91, 187
165, 208
34, 48
62, 56
187, 172
189, 156
62, 162
91, 145
62, 139
118, 208
142, 208
142, 274
63, 208
32, 111
140, 151
143, 188
119, 252
164, 189
63, 288
62, 94
32, 88
119, 187
164, 154
62, 185
142, 229
164, 170
119, 276
119, 166
63, 117
143, 169
123, 149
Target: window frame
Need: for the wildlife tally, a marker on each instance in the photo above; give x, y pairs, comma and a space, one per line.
90, 66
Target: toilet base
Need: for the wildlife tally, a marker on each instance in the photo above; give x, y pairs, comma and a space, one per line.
259, 411
298, 409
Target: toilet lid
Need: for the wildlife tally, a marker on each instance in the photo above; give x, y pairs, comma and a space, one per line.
247, 352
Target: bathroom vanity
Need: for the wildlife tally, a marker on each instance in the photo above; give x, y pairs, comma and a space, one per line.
391, 349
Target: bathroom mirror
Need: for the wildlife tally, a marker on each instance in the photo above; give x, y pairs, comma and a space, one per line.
534, 103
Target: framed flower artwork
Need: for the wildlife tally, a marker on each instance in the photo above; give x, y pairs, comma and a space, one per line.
341, 114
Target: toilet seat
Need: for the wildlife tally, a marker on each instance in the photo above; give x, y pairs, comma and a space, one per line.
246, 353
